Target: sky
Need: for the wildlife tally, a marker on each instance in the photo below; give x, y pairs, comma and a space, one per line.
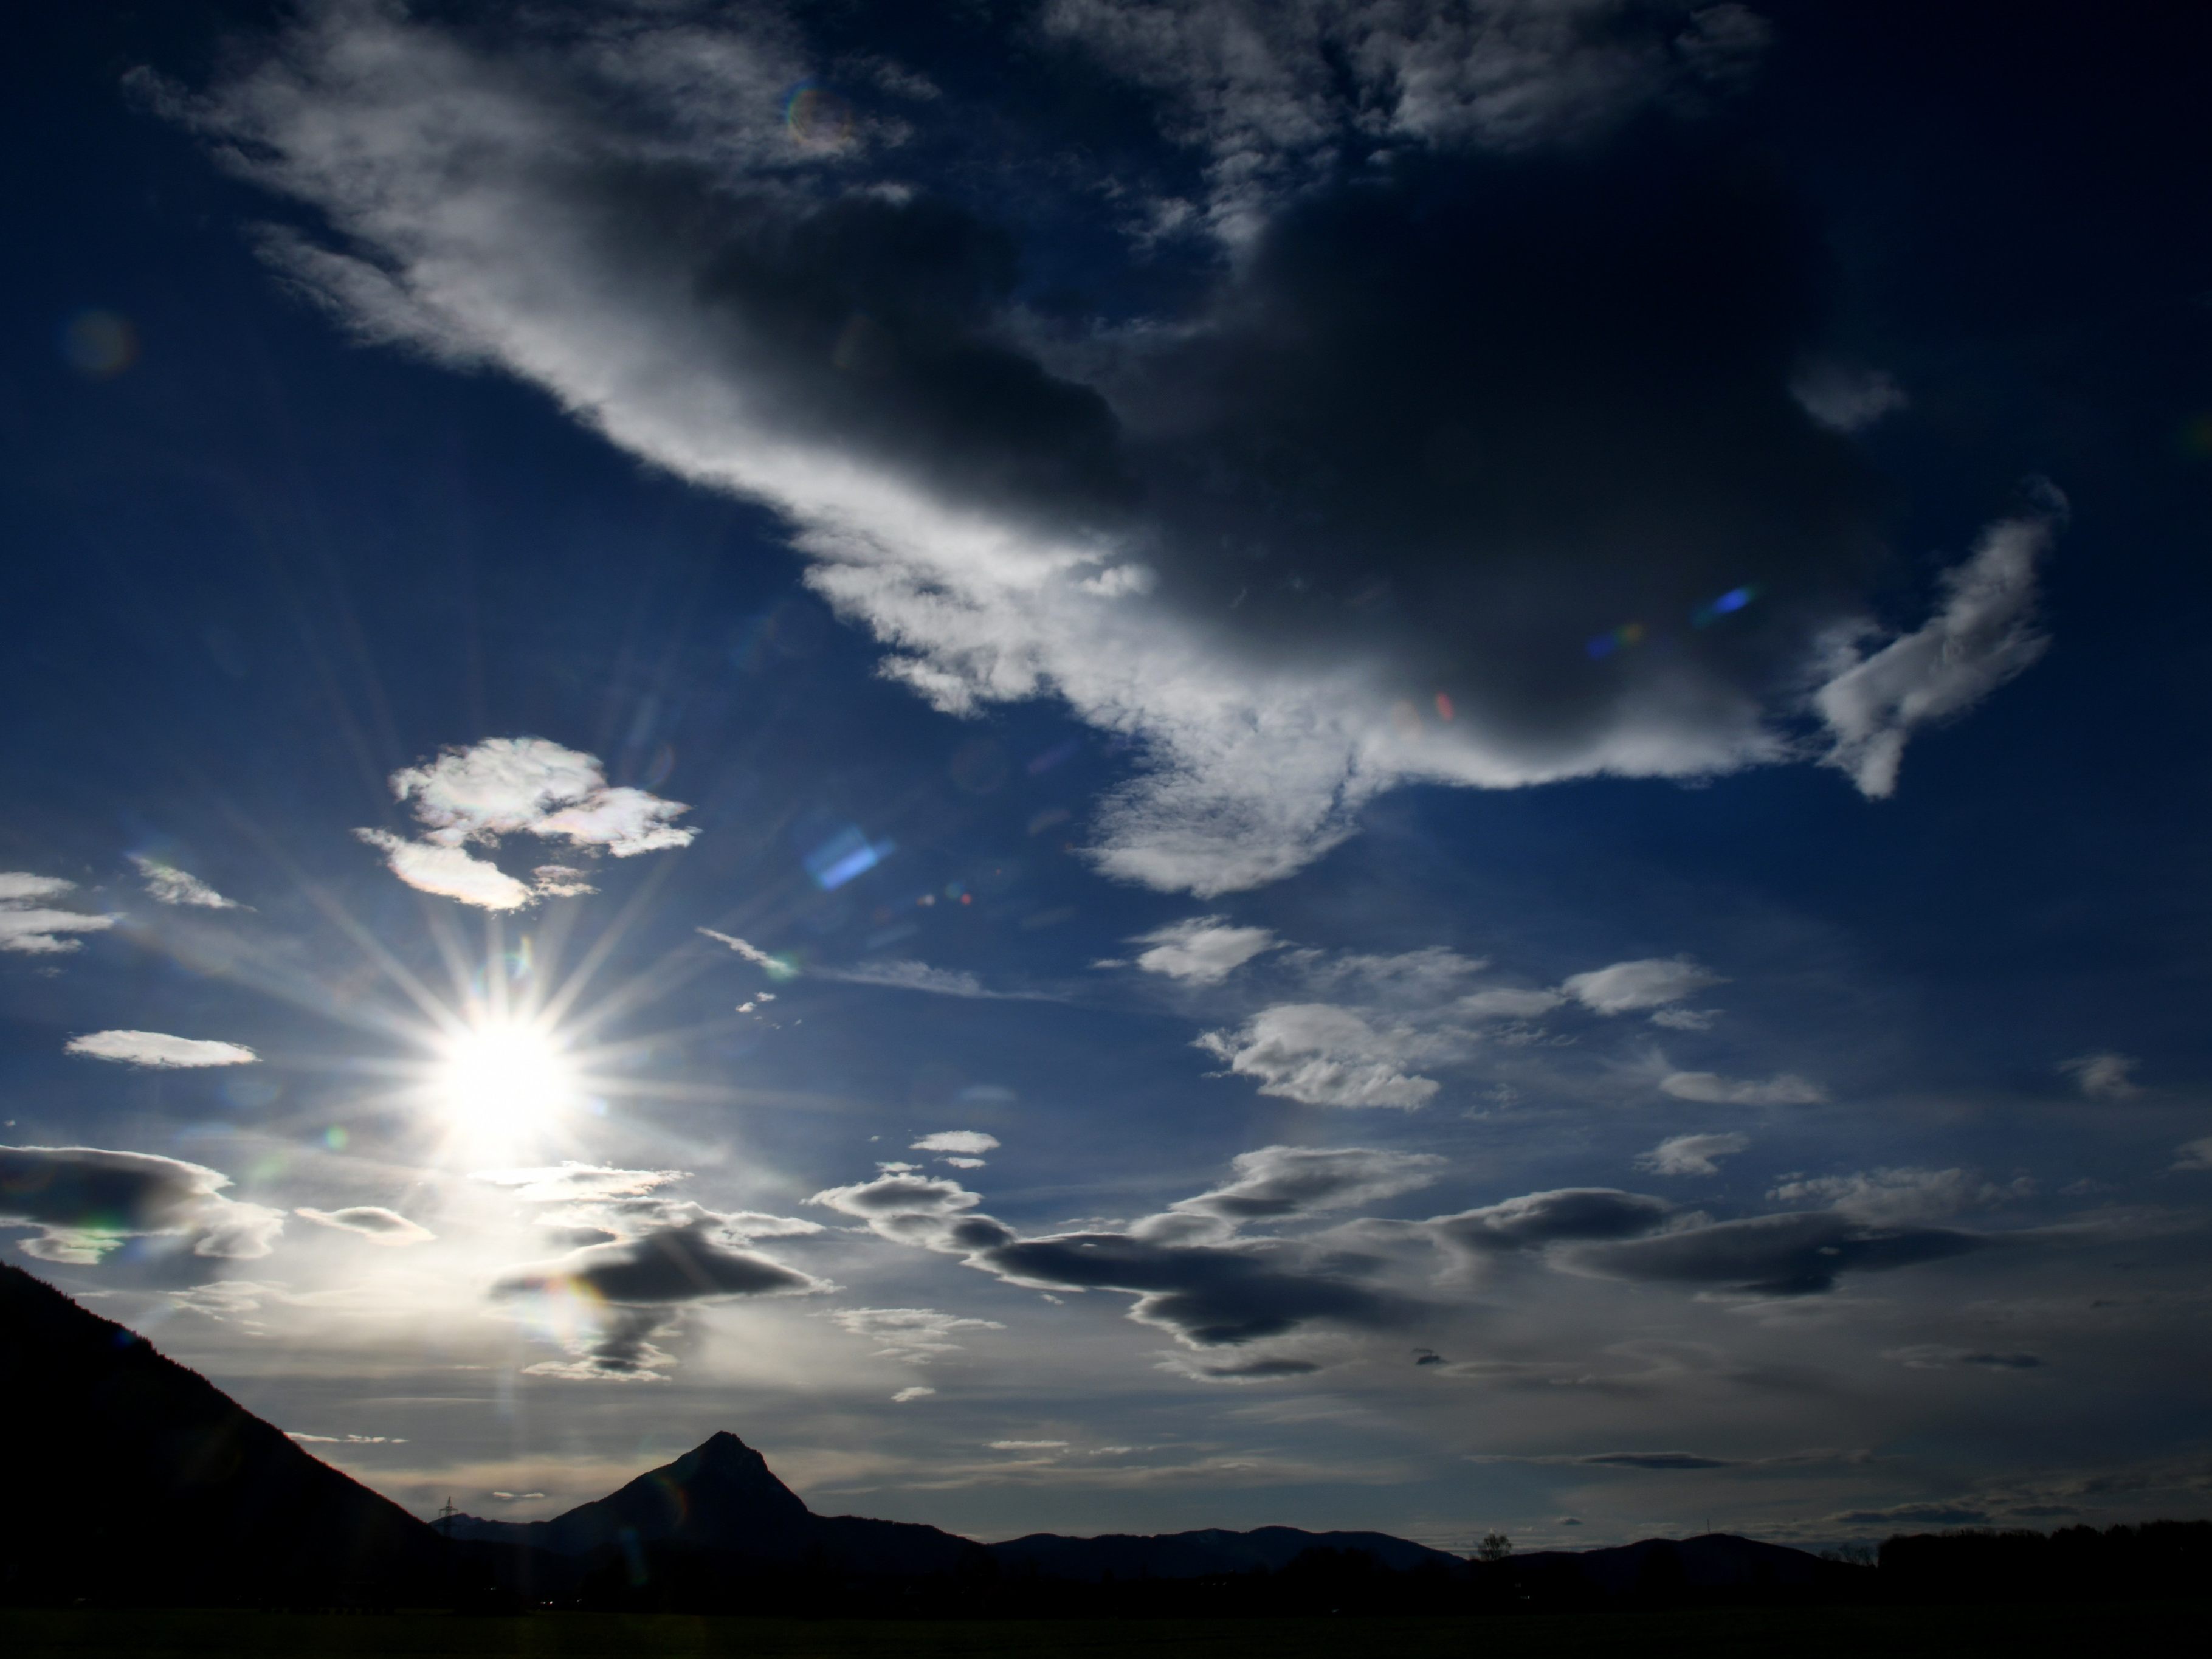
1117, 765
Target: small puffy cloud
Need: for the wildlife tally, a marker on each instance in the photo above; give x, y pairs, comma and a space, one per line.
1507, 1002
1983, 636
1799, 1253
1536, 1219
517, 786
1847, 400
972, 1143
2104, 1076
1278, 1182
913, 1392
917, 1335
29, 928
1203, 951
1896, 1197
1635, 987
372, 1222
167, 885
449, 873
2194, 1155
159, 1050
88, 1200
1690, 1155
1322, 1055
1785, 1088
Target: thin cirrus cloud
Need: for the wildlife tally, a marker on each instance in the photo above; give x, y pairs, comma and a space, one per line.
2105, 1076
1691, 1155
30, 928
1018, 508
159, 1051
167, 885
517, 786
1709, 1088
372, 1222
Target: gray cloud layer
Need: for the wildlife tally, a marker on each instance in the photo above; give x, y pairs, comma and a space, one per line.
1502, 420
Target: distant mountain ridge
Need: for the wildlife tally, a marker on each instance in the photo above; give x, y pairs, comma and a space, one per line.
132, 1478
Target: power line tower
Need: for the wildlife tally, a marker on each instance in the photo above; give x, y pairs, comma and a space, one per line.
447, 1516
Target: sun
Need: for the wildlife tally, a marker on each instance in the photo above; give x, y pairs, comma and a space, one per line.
503, 1079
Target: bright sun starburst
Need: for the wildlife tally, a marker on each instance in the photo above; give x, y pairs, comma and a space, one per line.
503, 1079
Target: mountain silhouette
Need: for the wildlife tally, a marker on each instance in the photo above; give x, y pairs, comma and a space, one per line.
1713, 1561
720, 1497
130, 1477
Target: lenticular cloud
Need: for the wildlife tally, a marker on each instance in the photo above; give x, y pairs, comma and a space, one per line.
511, 786
1483, 467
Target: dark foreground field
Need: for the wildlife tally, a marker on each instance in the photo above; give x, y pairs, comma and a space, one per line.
1884, 1632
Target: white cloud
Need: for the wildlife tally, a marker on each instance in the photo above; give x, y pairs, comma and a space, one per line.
915, 1392
571, 1182
920, 977
916, 1335
1633, 987
1281, 1182
170, 885
778, 966
449, 873
28, 929
1203, 951
513, 786
1690, 1155
1323, 1055
1784, 1089
158, 1049
1983, 636
2104, 1076
347, 1440
1029, 1445
372, 1222
1898, 1197
972, 1142
2194, 1155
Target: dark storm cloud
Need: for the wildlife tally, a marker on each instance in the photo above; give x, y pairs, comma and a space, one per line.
1469, 412
1209, 1296
1793, 1255
1189, 1276
675, 1264
1538, 1218
88, 1200
1658, 1461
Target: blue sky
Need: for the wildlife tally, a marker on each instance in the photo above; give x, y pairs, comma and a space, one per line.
1118, 766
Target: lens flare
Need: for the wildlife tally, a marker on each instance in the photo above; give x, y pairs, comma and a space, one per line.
501, 1080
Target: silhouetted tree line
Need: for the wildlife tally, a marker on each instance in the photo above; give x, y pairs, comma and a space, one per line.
2155, 1561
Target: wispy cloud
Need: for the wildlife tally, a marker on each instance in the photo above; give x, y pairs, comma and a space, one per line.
159, 1050
167, 885
29, 928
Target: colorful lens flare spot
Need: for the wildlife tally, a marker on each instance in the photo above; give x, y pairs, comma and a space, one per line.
1619, 639
1728, 602
99, 345
817, 117
2196, 437
334, 1138
846, 854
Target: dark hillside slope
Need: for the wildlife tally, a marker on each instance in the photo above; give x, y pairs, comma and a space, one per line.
131, 1479
1199, 1554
